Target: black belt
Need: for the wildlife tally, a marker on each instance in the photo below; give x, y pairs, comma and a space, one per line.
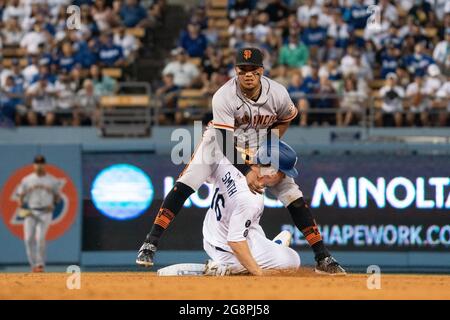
220, 249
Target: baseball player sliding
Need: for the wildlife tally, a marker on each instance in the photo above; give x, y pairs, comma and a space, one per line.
38, 193
246, 109
232, 236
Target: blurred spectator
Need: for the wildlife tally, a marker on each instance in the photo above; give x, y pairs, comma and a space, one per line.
239, 8
312, 86
326, 99
42, 99
103, 15
329, 51
44, 72
12, 32
339, 30
236, 30
212, 62
212, 84
103, 85
11, 101
86, 53
88, 26
65, 99
184, 72
193, 41
443, 103
127, 42
14, 10
314, 36
133, 14
356, 15
352, 104
109, 54
168, 94
392, 104
297, 91
331, 71
441, 53
306, 11
293, 54
33, 39
262, 28
421, 11
67, 59
419, 61
389, 61
433, 80
418, 102
392, 38
277, 11
31, 70
281, 75
388, 11
87, 105
16, 73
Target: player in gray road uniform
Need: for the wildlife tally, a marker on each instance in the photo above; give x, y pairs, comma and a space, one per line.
38, 194
247, 110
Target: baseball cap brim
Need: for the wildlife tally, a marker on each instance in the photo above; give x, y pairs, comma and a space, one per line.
293, 173
241, 64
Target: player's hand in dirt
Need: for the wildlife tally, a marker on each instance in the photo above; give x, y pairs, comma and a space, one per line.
254, 181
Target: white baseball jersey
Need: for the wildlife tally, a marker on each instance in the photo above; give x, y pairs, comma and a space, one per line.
233, 111
39, 191
234, 212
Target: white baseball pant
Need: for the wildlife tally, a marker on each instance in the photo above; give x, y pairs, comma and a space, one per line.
267, 254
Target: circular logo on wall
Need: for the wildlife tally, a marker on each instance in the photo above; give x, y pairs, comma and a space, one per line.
122, 191
63, 215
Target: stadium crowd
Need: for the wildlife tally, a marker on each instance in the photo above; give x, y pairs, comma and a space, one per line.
337, 67
341, 60
53, 65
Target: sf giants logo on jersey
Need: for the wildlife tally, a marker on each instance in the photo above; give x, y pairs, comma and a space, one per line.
247, 54
63, 215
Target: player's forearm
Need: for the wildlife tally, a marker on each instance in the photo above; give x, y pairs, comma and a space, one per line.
280, 128
243, 254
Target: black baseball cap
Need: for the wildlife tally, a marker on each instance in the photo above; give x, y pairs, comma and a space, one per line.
249, 57
39, 159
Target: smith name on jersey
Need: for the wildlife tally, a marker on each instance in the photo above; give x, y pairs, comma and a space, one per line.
234, 212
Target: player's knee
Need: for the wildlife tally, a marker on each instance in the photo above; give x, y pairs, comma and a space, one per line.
290, 259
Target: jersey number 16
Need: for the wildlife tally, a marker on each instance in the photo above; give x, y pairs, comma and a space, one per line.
216, 200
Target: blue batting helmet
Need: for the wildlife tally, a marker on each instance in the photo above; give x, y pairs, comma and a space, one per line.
280, 155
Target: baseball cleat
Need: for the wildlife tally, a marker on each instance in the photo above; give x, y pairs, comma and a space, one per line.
38, 269
284, 238
329, 266
145, 255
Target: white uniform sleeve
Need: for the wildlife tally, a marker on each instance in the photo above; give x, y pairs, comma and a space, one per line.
287, 110
240, 221
223, 114
21, 189
56, 187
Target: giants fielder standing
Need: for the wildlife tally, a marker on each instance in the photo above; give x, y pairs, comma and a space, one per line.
245, 110
38, 194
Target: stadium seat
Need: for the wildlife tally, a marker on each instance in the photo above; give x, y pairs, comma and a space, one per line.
112, 72
216, 13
